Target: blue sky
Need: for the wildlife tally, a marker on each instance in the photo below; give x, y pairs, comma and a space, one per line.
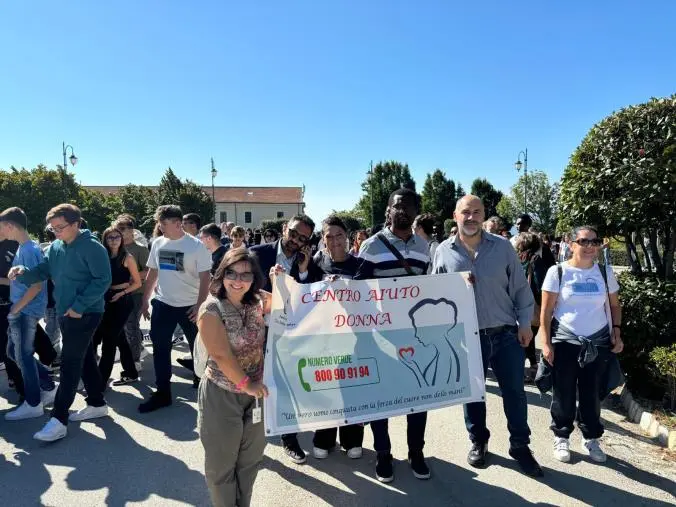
308, 92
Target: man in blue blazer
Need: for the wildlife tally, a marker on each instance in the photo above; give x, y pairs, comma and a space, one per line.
292, 255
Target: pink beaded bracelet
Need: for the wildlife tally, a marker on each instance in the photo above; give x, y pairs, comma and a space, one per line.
242, 383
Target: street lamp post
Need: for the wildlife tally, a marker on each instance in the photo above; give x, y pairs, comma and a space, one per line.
72, 158
214, 173
517, 165
370, 173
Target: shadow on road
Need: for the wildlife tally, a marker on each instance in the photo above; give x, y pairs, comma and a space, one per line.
114, 461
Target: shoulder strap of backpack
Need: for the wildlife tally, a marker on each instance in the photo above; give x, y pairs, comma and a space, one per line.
559, 268
404, 263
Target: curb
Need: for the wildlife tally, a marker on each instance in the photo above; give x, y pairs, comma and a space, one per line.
647, 421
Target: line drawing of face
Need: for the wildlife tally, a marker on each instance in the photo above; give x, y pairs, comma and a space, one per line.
427, 336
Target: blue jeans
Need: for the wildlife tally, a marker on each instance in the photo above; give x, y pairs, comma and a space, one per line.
20, 349
52, 329
506, 357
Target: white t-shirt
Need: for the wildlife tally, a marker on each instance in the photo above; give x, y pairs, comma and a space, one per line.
179, 263
581, 306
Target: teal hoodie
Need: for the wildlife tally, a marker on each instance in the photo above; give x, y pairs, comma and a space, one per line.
80, 272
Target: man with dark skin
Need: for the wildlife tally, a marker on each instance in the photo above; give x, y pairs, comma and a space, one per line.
378, 261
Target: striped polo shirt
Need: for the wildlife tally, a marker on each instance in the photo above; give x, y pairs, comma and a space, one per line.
377, 261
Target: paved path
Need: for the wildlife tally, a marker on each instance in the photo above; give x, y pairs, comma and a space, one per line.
156, 459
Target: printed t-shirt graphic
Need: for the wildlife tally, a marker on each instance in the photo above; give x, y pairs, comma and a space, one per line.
171, 260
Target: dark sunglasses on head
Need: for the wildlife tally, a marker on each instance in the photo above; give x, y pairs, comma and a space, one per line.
244, 277
295, 235
113, 238
589, 242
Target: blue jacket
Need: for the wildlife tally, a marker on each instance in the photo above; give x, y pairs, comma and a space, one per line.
80, 272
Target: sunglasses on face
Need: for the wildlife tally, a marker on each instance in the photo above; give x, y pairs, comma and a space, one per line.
299, 237
247, 276
589, 242
114, 238
57, 228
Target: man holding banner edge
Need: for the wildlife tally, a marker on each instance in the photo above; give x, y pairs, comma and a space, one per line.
504, 308
397, 252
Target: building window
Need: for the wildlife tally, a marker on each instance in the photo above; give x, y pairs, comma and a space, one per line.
224, 216
280, 214
247, 217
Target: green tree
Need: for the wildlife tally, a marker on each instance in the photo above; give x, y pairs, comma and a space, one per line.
385, 178
139, 202
97, 209
439, 195
622, 178
541, 200
353, 221
193, 199
186, 194
490, 196
36, 191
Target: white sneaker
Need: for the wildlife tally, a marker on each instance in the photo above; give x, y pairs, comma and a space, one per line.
320, 453
354, 453
47, 397
51, 431
25, 411
88, 412
592, 448
562, 449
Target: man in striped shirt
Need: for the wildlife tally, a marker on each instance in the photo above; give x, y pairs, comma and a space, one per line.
378, 261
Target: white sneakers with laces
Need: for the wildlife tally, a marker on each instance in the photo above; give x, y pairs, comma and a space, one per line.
354, 453
52, 431
562, 449
25, 411
320, 453
88, 412
592, 448
47, 397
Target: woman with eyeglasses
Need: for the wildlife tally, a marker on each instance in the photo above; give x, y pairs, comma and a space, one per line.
119, 305
231, 327
580, 329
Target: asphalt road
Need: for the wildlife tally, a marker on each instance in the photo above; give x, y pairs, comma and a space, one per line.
156, 460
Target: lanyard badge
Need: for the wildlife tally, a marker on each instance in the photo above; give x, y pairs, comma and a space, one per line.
256, 413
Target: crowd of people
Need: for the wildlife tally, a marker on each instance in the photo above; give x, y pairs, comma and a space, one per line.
213, 282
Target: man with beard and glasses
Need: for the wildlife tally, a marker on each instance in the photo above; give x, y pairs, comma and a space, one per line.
378, 261
504, 304
291, 255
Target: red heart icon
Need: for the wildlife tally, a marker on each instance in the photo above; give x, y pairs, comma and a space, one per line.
406, 351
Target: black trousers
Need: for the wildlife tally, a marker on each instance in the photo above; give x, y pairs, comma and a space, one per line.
351, 436
570, 380
530, 350
78, 361
110, 334
415, 433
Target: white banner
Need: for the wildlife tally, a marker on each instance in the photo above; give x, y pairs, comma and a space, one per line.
353, 351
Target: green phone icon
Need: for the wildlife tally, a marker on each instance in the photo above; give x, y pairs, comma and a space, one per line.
302, 363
